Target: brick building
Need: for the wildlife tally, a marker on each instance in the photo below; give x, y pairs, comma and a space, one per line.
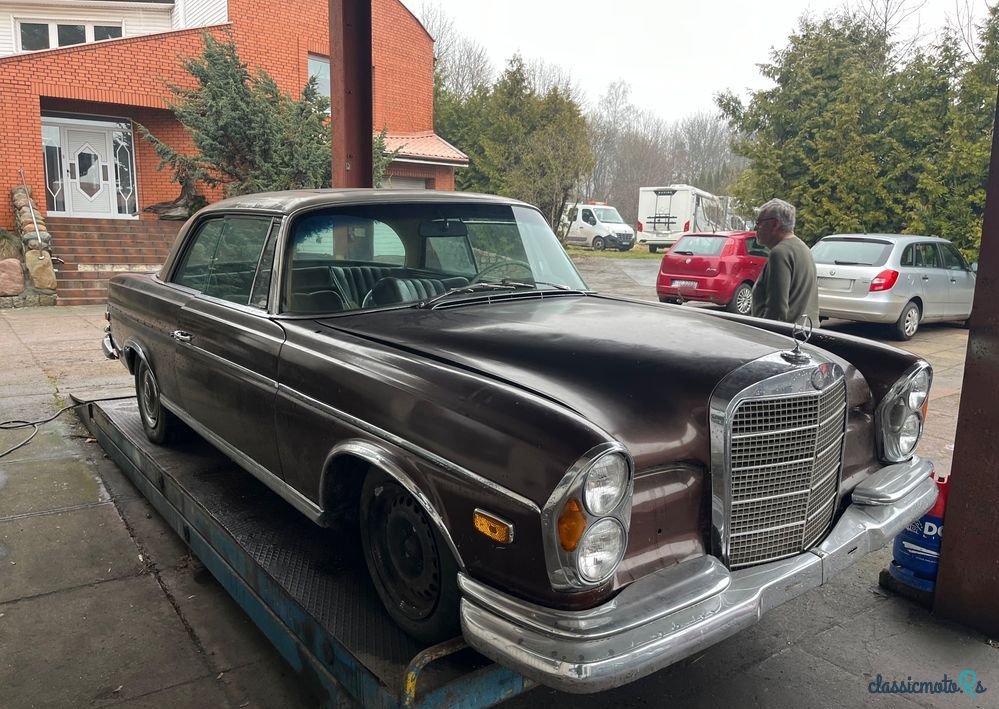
75, 75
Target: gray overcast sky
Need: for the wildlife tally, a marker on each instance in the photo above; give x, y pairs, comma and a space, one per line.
675, 55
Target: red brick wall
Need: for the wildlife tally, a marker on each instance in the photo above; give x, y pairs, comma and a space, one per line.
105, 77
128, 77
403, 71
438, 177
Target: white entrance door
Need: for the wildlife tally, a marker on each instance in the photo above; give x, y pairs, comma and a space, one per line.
88, 161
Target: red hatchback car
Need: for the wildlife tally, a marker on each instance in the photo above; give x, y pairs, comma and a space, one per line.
717, 268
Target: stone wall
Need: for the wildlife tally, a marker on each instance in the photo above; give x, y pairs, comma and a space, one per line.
27, 277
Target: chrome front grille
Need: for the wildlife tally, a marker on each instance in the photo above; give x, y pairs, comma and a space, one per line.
784, 462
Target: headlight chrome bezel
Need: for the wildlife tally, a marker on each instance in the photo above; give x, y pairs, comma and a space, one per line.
907, 397
564, 566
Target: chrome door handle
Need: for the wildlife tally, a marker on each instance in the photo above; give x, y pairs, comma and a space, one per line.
180, 336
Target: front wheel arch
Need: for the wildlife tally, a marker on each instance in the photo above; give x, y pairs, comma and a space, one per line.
346, 468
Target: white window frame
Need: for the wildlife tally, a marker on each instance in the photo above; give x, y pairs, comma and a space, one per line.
88, 30
329, 66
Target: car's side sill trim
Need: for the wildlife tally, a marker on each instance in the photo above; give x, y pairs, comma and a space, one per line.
292, 496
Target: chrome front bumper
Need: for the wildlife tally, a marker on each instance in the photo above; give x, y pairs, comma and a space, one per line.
679, 611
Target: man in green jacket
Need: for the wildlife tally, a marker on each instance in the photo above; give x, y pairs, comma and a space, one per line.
787, 288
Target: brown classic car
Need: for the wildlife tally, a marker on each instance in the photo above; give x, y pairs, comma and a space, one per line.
588, 488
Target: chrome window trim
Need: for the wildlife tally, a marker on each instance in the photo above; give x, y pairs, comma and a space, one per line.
770, 376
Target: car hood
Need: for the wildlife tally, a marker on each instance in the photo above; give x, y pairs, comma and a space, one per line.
642, 372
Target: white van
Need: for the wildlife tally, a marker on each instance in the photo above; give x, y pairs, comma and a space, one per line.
667, 213
598, 226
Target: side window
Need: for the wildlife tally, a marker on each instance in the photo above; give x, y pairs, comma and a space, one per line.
927, 256
236, 258
450, 254
262, 281
197, 260
907, 256
952, 258
755, 248
588, 217
387, 247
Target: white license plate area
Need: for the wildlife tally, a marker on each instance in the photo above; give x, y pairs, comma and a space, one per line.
842, 284
684, 284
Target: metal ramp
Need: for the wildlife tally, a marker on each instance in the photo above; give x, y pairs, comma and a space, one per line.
306, 588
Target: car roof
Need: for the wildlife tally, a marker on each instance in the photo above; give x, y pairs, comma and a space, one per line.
730, 234
293, 200
895, 238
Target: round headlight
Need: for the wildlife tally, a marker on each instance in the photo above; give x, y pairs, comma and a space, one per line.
908, 435
606, 483
600, 550
919, 389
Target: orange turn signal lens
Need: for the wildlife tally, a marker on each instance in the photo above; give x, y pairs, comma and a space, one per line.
497, 529
571, 525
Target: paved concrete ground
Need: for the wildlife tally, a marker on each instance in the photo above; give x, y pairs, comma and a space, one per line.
100, 605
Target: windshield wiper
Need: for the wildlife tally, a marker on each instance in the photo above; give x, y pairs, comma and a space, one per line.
684, 253
505, 285
470, 288
852, 263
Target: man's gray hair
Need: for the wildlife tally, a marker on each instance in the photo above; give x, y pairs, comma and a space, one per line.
783, 211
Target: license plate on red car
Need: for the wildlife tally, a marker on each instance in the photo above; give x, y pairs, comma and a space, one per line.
684, 284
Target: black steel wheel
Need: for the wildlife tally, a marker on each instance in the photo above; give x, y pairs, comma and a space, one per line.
158, 423
598, 243
411, 567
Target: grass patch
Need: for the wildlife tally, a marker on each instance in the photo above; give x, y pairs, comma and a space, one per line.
638, 252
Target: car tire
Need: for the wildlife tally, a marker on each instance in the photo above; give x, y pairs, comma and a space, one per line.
411, 567
653, 249
742, 300
622, 249
158, 423
908, 322
598, 243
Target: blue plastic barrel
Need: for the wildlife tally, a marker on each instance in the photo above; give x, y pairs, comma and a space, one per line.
916, 551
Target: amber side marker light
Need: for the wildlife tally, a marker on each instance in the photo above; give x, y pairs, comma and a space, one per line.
571, 525
497, 529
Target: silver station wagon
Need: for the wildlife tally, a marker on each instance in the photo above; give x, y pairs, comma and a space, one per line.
898, 279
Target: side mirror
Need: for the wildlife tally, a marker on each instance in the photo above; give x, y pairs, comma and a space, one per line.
974, 267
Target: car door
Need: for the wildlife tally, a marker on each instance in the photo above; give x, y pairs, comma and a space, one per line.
227, 345
930, 280
755, 259
586, 227
961, 287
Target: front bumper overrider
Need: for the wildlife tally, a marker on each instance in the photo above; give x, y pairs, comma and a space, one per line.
686, 608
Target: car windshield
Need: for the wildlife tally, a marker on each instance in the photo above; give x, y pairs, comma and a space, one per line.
608, 215
700, 245
852, 252
370, 256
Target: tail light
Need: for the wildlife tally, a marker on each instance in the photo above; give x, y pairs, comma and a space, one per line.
686, 225
638, 227
728, 249
884, 280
